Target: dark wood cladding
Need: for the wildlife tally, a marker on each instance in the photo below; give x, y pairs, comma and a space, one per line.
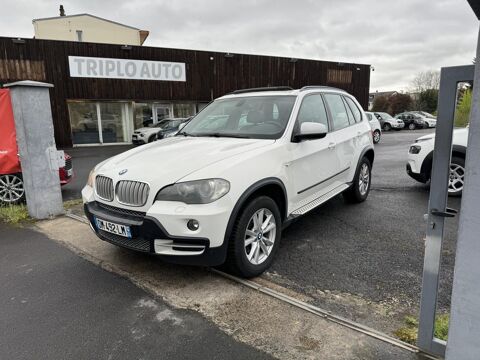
208, 74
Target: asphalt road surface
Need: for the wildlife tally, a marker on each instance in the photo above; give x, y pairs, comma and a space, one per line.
370, 252
55, 305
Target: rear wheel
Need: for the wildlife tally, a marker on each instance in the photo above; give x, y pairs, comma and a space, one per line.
12, 190
376, 136
456, 177
255, 238
360, 188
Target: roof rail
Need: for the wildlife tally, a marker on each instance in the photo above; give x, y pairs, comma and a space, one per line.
312, 87
271, 88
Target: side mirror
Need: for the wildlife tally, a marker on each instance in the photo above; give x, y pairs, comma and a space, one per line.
310, 131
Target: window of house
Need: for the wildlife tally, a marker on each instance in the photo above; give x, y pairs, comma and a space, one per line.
338, 111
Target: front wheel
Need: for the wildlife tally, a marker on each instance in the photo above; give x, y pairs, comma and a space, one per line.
12, 190
376, 136
360, 188
255, 238
456, 177
412, 126
387, 127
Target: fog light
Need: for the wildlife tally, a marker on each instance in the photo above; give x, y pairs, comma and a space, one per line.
193, 225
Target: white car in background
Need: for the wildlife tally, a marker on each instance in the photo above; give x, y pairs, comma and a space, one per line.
388, 122
420, 160
222, 189
375, 125
165, 127
429, 119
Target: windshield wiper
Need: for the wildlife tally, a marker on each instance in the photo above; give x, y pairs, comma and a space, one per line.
183, 133
218, 134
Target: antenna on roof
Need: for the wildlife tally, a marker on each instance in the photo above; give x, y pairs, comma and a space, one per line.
62, 11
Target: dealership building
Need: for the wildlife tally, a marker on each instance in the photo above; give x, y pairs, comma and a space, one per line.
102, 92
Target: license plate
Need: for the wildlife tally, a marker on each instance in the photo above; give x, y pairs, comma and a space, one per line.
113, 228
69, 172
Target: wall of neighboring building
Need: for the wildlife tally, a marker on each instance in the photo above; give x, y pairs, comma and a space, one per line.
92, 30
208, 75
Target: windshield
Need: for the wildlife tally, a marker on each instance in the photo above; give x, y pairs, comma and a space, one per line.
256, 117
385, 115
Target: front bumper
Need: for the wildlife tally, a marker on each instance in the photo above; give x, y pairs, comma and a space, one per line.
149, 235
397, 125
421, 177
138, 140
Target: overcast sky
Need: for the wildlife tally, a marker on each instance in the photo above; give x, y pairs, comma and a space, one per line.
399, 38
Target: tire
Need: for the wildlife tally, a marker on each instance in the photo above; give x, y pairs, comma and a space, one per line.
456, 178
387, 127
151, 138
412, 126
12, 190
245, 229
360, 188
376, 136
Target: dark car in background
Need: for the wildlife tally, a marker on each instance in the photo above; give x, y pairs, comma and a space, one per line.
412, 120
169, 127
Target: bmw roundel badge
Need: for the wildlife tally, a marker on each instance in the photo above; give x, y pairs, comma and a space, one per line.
121, 172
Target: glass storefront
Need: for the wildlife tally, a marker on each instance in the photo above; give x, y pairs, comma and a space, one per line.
84, 122
111, 122
143, 115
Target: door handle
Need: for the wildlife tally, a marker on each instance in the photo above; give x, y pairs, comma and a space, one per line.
332, 145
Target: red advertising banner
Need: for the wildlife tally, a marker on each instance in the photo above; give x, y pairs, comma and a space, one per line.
9, 162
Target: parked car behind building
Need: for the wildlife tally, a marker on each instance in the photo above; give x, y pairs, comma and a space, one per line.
387, 122
412, 120
148, 134
375, 125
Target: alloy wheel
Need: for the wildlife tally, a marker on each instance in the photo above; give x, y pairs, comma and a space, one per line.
11, 189
364, 179
456, 178
376, 137
260, 236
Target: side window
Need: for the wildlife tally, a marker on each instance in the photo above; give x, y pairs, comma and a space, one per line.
351, 118
338, 111
356, 112
312, 110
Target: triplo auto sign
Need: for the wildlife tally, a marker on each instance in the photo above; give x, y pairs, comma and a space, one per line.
95, 67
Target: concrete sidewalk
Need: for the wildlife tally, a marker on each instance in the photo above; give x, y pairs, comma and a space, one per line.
57, 305
250, 317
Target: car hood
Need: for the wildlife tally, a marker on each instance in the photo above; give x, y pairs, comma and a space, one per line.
456, 133
167, 161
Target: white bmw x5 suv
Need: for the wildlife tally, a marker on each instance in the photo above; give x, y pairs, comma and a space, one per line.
222, 189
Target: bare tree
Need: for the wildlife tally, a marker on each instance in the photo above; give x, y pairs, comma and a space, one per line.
426, 80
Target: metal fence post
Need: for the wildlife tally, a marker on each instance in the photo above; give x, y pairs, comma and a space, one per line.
464, 331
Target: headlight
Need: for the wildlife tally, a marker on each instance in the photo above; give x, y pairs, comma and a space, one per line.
415, 149
91, 178
195, 192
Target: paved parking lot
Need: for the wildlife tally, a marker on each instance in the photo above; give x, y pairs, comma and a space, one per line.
361, 261
365, 261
